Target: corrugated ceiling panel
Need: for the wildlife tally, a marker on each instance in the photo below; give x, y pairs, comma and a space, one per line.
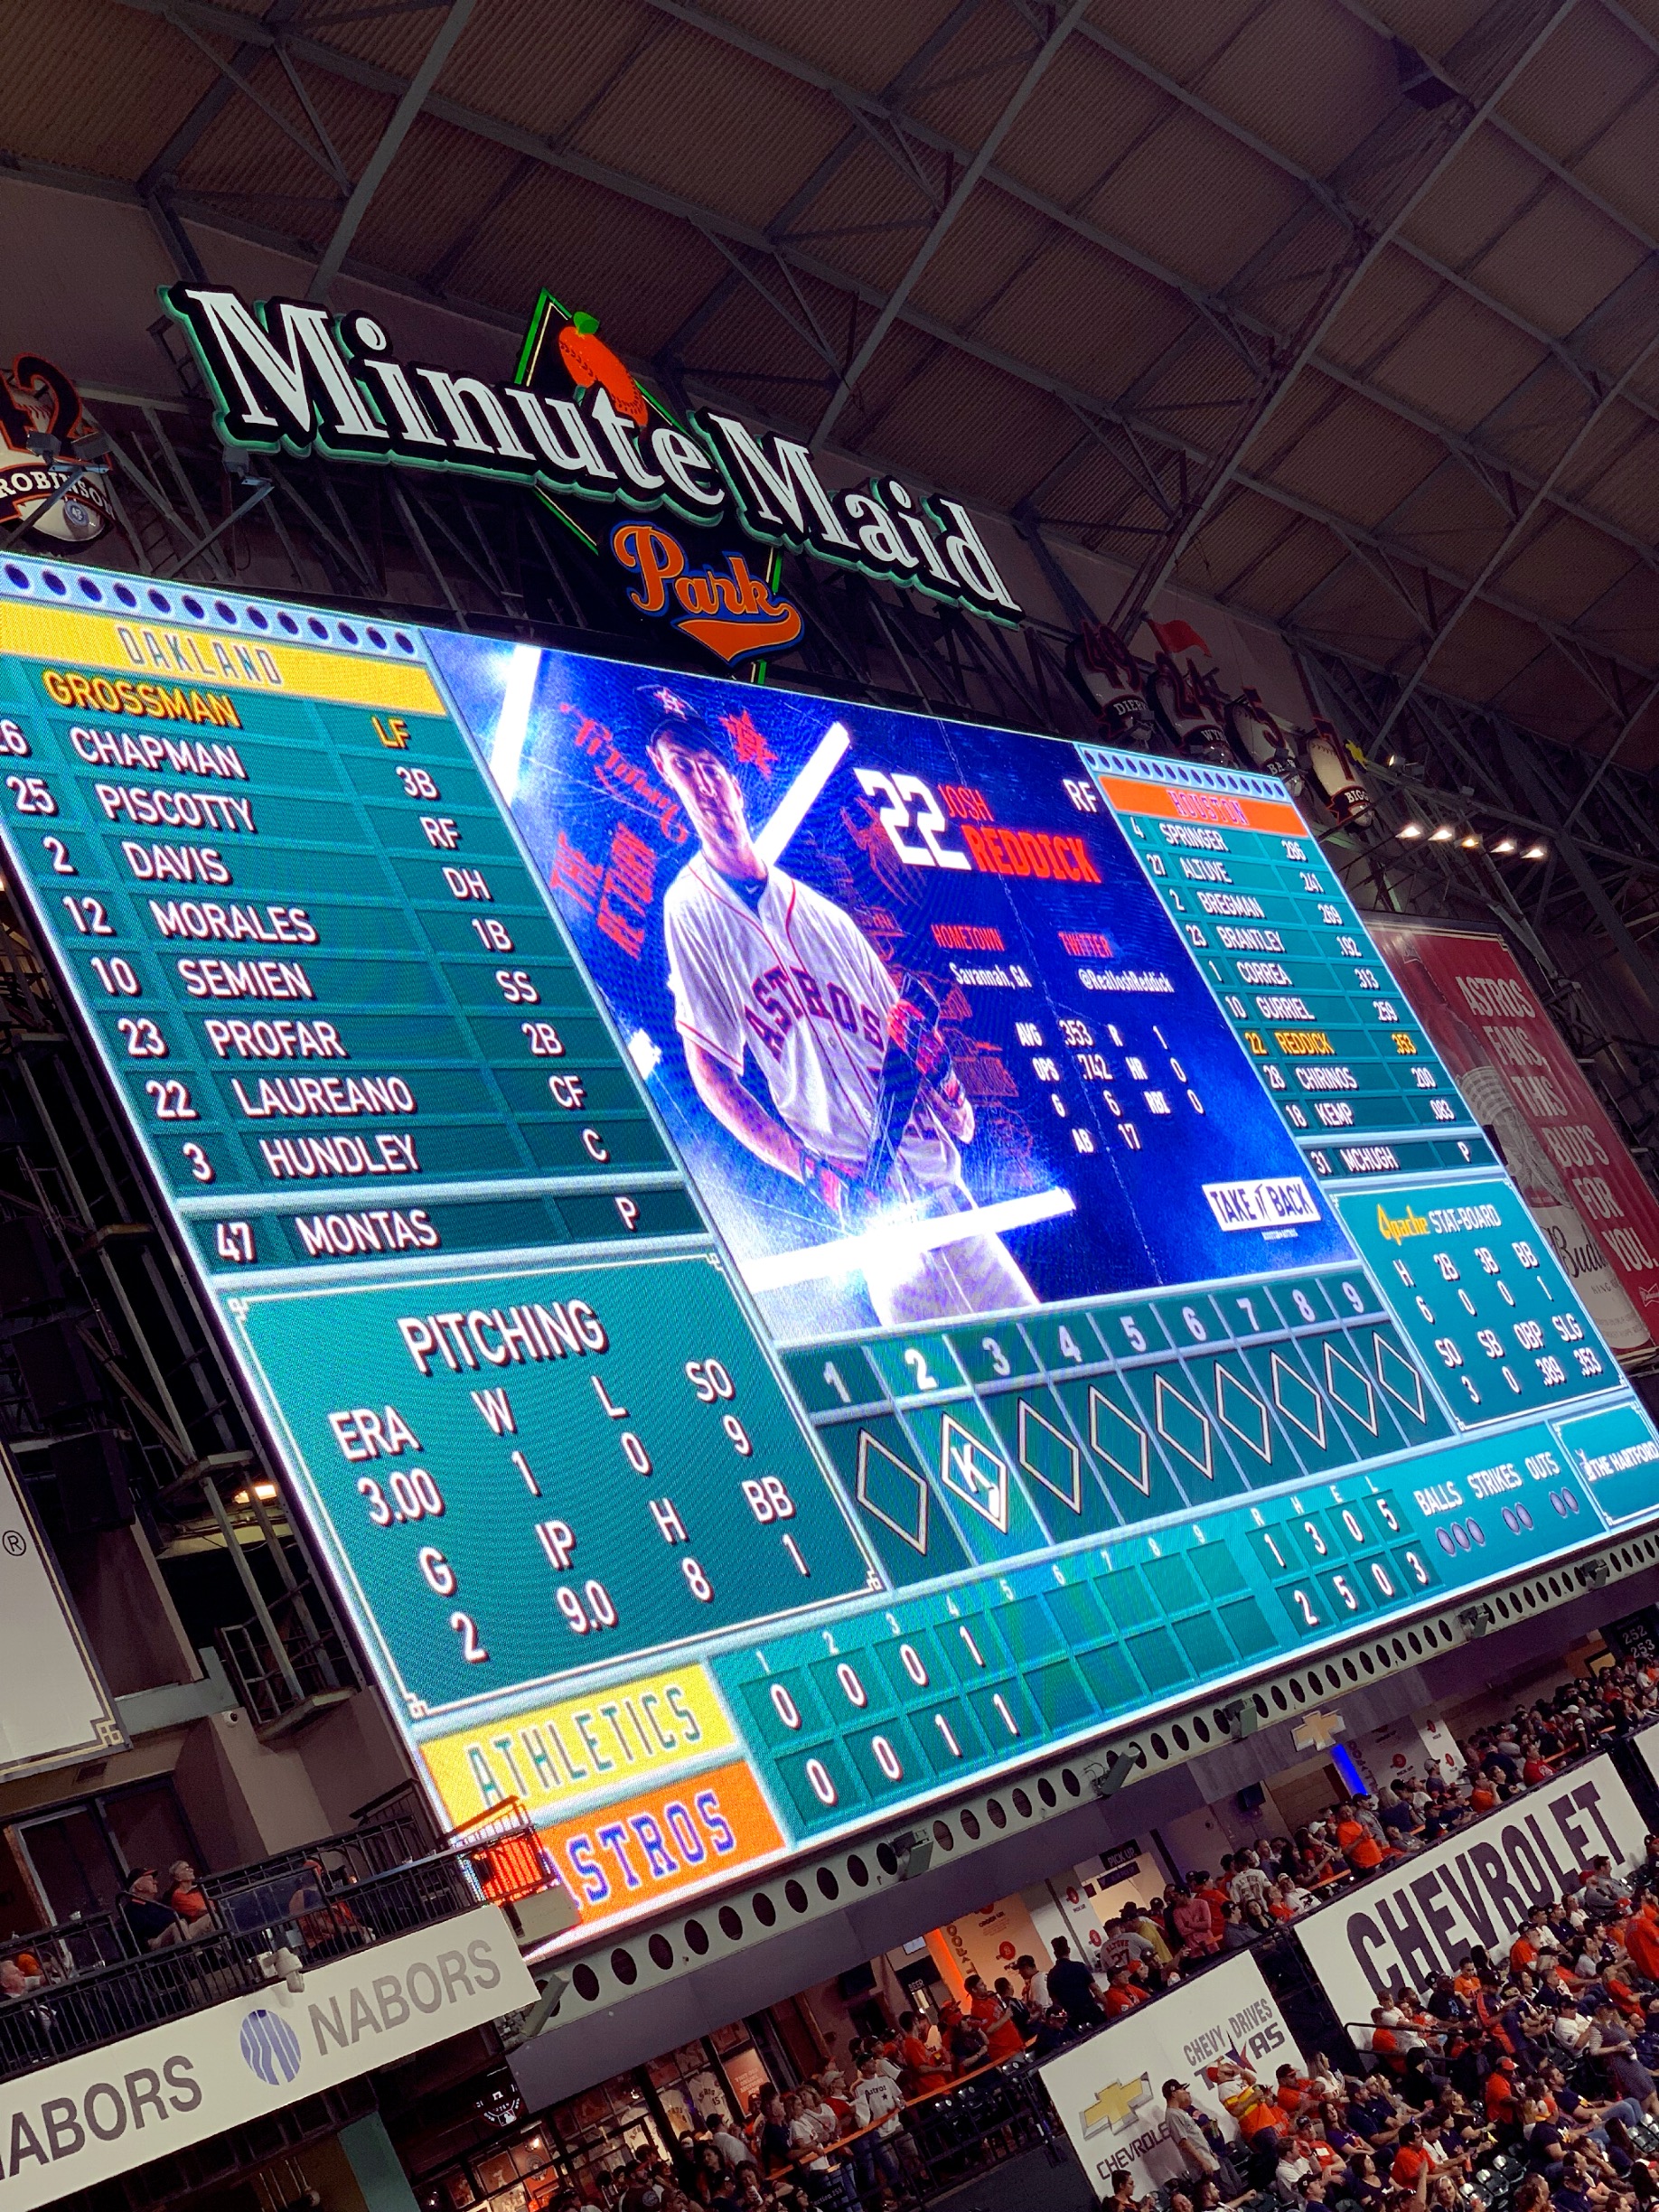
868, 216
267, 179
639, 271
723, 129
534, 62
1620, 166
1202, 391
1094, 487
1353, 458
1627, 491
1581, 83
861, 45
1553, 697
1184, 41
1308, 77
434, 194
1355, 605
1194, 199
1453, 520
1014, 441
1564, 568
1287, 573
1086, 113
964, 90
1243, 530
1389, 301
1093, 321
1536, 428
1486, 651
1619, 432
992, 240
1628, 620
1479, 195
1457, 362
85, 116
1432, 26
1557, 262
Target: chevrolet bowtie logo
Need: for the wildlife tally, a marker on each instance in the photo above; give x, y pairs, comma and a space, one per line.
1116, 2103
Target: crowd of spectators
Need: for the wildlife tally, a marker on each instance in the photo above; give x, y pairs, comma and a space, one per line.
1524, 2083
845, 2138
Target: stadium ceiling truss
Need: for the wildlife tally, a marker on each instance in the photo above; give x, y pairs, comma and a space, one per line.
1461, 555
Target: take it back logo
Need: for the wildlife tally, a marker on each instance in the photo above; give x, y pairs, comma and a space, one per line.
730, 611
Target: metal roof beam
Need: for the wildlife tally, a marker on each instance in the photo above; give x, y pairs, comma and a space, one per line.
1510, 542
1246, 334
397, 128
1041, 62
867, 110
1088, 405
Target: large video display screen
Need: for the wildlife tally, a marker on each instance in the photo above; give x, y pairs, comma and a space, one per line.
791, 1255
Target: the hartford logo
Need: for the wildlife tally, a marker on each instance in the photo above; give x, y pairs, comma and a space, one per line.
270, 2047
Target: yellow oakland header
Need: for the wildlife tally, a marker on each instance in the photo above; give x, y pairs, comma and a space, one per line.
581, 1748
164, 654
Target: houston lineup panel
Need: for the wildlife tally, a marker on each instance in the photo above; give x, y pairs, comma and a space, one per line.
791, 1255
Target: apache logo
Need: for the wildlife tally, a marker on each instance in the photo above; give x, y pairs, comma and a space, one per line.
1407, 1224
1116, 2105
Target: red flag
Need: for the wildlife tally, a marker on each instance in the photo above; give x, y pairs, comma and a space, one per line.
1179, 637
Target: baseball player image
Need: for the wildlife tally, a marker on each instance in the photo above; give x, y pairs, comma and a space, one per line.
866, 1109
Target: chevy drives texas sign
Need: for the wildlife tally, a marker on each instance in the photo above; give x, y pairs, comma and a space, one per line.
64, 2127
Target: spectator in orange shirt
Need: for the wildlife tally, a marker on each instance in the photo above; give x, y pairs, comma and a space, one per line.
1642, 1940
1356, 1844
923, 2070
995, 2021
1215, 1896
1121, 1994
1411, 2158
1503, 2106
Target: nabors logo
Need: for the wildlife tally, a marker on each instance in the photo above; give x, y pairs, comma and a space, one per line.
270, 2047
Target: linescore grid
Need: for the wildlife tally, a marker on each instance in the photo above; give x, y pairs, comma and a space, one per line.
1109, 1293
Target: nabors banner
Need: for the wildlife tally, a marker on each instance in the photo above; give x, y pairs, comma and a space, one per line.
65, 2127
287, 376
1477, 1888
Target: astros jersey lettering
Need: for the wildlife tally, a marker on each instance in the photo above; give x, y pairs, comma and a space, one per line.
795, 982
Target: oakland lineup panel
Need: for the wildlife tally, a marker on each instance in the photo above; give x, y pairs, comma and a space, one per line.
793, 1255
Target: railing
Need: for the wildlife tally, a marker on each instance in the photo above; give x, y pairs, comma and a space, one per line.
307, 1666
322, 1901
508, 1859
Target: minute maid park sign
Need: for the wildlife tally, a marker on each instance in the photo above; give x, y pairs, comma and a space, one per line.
289, 376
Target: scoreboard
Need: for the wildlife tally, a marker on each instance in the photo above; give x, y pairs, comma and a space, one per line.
789, 1255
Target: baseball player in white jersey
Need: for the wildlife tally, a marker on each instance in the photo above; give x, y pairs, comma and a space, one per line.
762, 967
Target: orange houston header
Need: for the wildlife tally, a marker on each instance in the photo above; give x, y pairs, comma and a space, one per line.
1223, 810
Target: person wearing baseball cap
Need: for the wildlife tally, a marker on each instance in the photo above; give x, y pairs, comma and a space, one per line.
803, 1048
151, 1922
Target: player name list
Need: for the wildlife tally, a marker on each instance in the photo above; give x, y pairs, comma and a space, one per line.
339, 1007
1272, 929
